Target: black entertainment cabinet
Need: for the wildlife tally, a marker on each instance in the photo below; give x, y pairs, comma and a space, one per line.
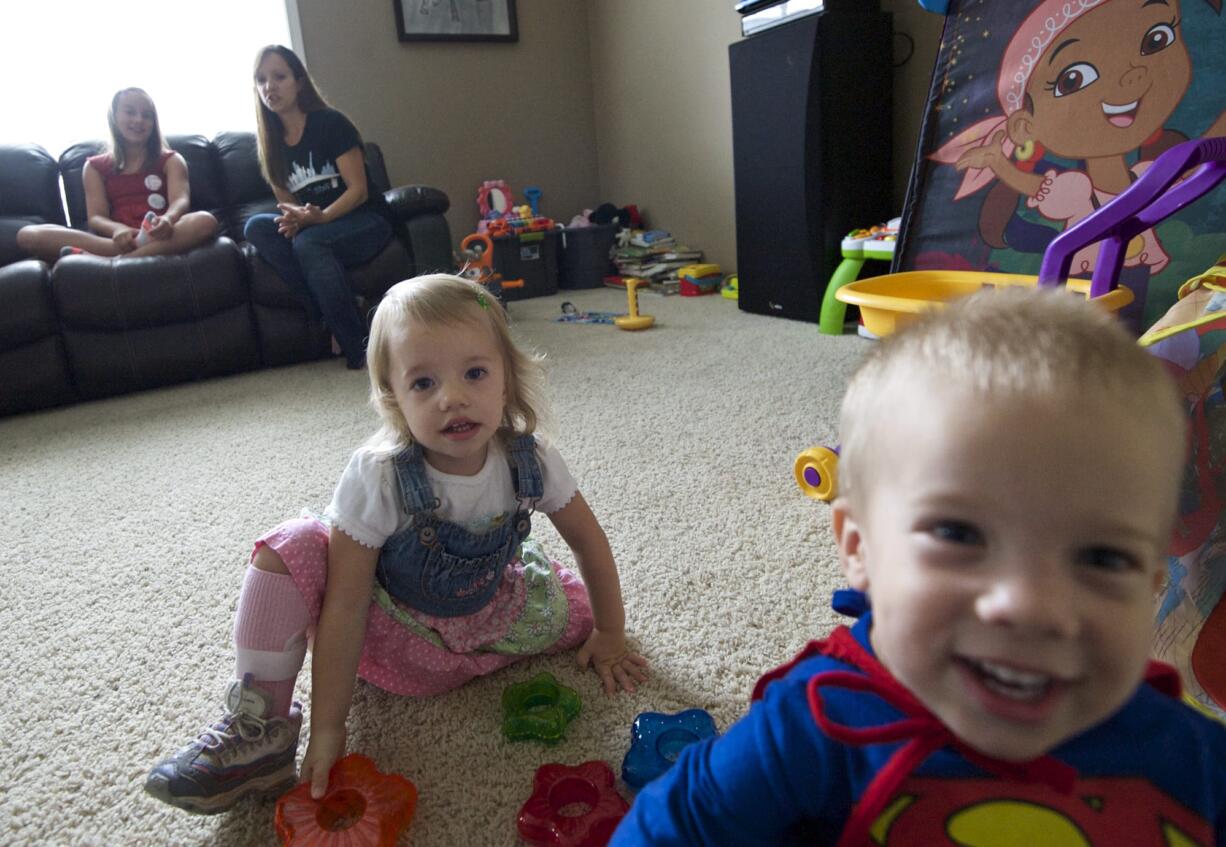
811, 139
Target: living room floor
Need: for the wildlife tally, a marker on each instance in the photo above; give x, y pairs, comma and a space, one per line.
131, 520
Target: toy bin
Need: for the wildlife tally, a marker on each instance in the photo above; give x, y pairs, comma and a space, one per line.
585, 255
532, 257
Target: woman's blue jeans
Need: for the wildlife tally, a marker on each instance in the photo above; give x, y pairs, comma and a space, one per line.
313, 266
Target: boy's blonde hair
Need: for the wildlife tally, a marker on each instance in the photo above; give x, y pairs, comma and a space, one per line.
1009, 343
447, 300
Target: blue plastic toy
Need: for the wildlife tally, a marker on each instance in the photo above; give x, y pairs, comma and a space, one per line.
656, 740
533, 195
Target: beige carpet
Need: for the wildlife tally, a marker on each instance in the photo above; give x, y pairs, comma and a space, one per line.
129, 522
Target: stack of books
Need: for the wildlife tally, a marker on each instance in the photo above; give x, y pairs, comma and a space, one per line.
654, 255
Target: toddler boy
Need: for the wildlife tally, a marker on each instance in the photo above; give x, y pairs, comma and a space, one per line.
1009, 472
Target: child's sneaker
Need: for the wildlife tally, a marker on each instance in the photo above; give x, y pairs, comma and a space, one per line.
243, 753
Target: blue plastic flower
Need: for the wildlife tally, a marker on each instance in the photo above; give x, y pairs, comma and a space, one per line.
656, 740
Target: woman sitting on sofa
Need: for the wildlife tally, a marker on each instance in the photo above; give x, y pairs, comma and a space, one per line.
331, 217
137, 197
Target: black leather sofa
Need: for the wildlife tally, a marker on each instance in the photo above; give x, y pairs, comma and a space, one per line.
91, 327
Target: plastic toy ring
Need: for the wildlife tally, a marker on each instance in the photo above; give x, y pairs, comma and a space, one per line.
816, 472
538, 709
572, 806
362, 807
656, 740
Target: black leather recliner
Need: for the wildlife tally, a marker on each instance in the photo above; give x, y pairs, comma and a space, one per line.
91, 327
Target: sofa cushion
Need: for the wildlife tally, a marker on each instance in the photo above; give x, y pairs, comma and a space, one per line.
244, 190
29, 184
130, 324
407, 201
286, 332
373, 279
203, 174
72, 163
29, 194
26, 312
33, 365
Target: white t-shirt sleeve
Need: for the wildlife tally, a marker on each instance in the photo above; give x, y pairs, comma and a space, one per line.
560, 486
365, 504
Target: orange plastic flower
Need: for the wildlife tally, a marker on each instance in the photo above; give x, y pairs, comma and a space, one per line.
363, 808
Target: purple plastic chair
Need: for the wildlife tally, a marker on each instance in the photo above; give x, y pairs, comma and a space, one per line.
1156, 195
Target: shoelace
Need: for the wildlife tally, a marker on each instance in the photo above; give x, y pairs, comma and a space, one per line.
249, 728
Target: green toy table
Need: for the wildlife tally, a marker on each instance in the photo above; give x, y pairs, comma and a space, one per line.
856, 251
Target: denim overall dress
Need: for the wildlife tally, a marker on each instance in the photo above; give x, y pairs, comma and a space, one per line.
441, 568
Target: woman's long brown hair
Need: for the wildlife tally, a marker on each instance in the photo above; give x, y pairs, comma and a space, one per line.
271, 132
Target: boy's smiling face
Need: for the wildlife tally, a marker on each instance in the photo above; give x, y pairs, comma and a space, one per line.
1011, 551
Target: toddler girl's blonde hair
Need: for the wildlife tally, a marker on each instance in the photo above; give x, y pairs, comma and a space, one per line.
447, 300
1006, 344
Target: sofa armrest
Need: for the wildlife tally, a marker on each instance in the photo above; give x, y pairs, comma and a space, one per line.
409, 201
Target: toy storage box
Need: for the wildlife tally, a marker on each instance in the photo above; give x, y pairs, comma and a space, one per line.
585, 255
532, 257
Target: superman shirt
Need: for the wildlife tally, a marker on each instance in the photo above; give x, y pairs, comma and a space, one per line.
1152, 774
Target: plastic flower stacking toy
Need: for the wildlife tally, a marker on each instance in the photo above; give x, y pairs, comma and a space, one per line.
656, 740
538, 709
572, 806
363, 808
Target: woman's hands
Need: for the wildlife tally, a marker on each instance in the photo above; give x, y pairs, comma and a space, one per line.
293, 218
613, 661
325, 747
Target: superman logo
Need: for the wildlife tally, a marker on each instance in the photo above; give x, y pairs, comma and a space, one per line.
992, 813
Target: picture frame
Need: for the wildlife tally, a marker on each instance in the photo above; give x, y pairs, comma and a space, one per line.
456, 20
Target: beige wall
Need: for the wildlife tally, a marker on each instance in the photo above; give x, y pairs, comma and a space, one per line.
625, 101
911, 83
453, 114
664, 114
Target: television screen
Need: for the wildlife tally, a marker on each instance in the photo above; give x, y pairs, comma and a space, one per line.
758, 15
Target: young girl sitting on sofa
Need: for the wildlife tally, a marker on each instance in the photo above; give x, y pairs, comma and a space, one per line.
140, 177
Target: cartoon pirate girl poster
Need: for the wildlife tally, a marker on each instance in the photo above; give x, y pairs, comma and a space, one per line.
1042, 111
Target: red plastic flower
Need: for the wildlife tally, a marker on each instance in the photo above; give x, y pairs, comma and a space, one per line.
572, 806
362, 807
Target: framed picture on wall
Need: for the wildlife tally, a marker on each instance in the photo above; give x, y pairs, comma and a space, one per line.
456, 20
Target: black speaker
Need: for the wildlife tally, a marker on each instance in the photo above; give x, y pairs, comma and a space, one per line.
811, 145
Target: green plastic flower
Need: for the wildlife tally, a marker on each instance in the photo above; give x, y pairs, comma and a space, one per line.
538, 709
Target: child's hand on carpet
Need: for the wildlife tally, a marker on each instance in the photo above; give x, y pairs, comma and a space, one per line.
617, 666
322, 752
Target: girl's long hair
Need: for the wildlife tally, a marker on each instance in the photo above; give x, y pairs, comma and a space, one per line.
271, 131
154, 145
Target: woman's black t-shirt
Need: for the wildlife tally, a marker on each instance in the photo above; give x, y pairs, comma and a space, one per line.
313, 175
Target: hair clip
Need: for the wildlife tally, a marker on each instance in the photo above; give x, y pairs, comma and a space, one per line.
482, 301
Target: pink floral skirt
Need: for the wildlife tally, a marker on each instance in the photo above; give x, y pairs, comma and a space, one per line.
540, 607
